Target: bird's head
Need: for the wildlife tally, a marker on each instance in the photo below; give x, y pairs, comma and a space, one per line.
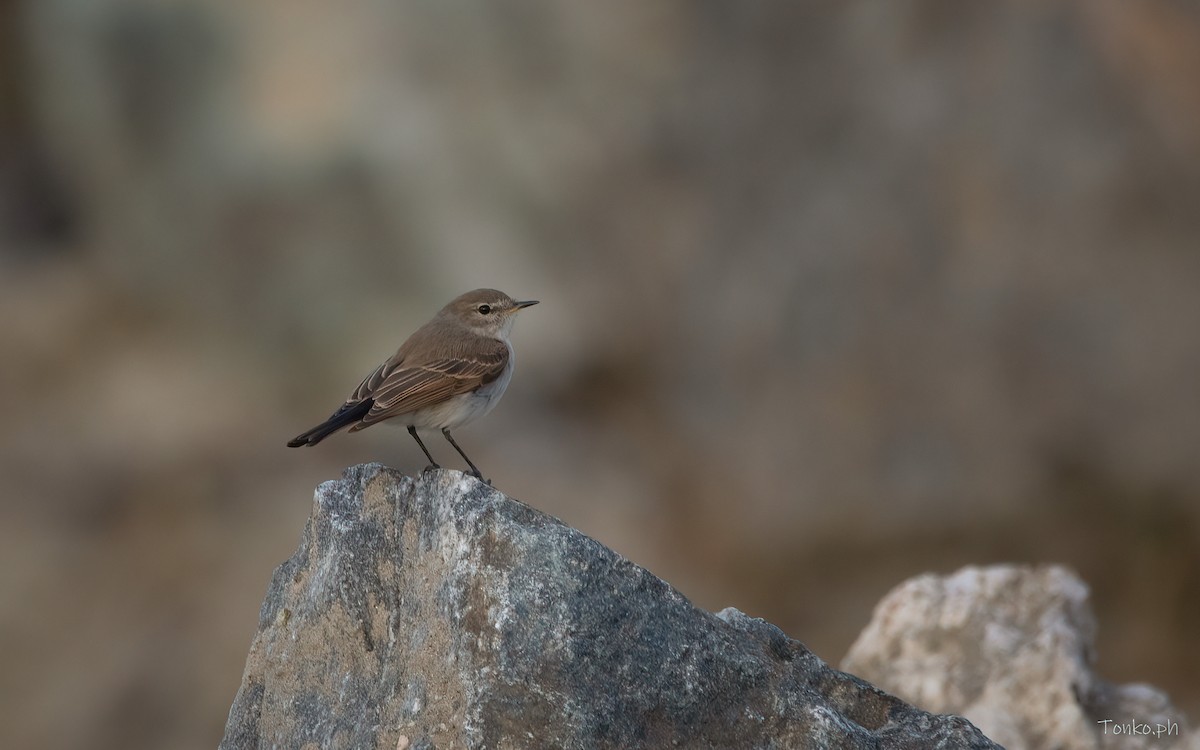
488, 312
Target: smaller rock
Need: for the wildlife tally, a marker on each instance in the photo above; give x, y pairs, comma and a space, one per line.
1012, 649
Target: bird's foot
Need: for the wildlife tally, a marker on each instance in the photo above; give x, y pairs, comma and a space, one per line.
429, 468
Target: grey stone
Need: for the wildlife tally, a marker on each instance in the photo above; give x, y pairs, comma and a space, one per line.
437, 613
1012, 649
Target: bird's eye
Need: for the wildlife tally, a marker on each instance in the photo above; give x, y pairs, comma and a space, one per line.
484, 309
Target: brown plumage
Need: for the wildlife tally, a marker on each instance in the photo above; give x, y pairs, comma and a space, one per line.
450, 371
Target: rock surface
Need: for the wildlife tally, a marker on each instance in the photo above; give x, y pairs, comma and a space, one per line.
1011, 648
438, 613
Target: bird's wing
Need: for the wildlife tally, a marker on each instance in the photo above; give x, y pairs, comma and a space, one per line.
408, 387
371, 383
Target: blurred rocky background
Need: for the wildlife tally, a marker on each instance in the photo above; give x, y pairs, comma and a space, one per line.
832, 294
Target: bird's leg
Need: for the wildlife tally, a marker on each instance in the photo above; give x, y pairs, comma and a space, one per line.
474, 470
432, 464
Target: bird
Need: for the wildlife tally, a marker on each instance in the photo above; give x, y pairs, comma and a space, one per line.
450, 371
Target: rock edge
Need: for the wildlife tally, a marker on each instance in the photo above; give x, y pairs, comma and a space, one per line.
438, 613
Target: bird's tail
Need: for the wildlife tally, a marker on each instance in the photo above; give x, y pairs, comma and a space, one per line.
343, 417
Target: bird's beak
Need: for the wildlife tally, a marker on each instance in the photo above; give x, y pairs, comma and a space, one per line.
526, 303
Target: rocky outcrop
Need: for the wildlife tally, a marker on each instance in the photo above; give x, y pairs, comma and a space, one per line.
437, 613
1012, 649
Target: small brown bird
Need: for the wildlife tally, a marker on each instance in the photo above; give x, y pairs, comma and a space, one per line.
451, 371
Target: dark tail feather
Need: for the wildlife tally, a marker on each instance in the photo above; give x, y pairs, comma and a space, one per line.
343, 417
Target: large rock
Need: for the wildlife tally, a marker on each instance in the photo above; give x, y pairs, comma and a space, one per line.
438, 613
1012, 649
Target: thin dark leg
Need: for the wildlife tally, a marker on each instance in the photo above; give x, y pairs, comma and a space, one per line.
474, 470
432, 464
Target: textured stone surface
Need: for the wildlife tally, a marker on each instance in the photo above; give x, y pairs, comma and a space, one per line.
438, 613
1011, 648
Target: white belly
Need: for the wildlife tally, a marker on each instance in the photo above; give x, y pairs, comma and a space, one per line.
464, 408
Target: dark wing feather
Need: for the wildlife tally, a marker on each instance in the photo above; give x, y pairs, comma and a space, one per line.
347, 414
408, 388
374, 380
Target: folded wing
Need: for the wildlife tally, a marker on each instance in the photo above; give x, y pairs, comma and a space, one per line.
404, 387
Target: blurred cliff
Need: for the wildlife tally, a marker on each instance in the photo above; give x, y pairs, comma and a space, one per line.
831, 294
